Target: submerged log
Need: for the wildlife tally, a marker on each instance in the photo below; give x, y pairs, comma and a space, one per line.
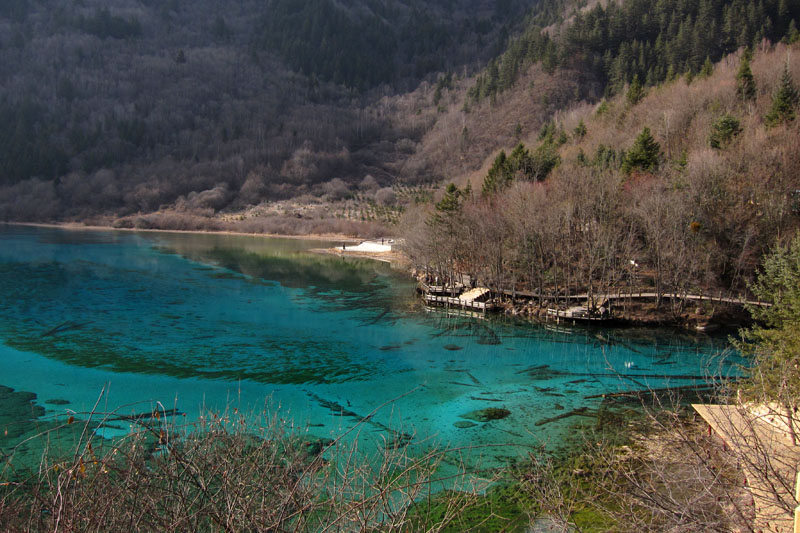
64, 326
651, 392
485, 399
138, 417
580, 411
473, 378
398, 438
464, 384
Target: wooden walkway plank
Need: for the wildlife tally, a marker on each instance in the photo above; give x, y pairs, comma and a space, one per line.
768, 458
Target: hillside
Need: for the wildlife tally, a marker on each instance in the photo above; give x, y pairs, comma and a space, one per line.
326, 116
684, 187
117, 108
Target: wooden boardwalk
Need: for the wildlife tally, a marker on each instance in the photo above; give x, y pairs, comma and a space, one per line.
643, 296
578, 314
768, 458
459, 302
693, 297
454, 296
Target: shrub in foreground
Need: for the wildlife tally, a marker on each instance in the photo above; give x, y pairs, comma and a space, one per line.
225, 475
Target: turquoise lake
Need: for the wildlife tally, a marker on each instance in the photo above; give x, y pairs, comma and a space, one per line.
219, 322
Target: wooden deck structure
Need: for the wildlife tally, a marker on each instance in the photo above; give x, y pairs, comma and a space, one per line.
769, 460
579, 314
455, 312
477, 299
441, 290
457, 295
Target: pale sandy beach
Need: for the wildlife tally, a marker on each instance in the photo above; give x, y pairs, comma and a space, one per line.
365, 249
78, 226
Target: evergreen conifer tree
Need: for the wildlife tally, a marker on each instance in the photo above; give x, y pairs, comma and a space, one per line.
792, 34
707, 69
643, 155
683, 161
445, 218
775, 375
499, 175
745, 83
784, 101
467, 194
543, 160
582, 160
451, 201
520, 161
635, 91
580, 130
723, 131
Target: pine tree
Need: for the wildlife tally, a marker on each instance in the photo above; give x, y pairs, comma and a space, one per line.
707, 69
784, 101
543, 160
519, 161
582, 160
580, 130
775, 375
499, 175
445, 218
550, 58
645, 154
451, 201
792, 34
783, 14
467, 194
682, 162
547, 132
723, 131
635, 91
745, 83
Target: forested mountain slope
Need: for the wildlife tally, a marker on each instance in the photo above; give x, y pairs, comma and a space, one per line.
125, 106
682, 178
568, 54
642, 41
680, 188
372, 42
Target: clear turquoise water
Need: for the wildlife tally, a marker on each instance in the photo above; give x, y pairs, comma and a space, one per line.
217, 322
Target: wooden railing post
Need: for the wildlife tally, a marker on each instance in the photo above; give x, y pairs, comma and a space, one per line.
797, 509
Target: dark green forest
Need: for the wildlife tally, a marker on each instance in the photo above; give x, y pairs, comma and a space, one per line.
376, 43
320, 39
641, 41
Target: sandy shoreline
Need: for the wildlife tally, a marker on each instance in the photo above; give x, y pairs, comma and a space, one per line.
393, 257
79, 226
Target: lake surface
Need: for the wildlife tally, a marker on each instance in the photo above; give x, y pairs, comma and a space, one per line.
216, 322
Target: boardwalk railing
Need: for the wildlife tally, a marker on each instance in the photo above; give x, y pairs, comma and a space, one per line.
452, 290
640, 295
433, 299
577, 314
738, 300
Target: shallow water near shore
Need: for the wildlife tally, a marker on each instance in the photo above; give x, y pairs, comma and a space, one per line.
221, 322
